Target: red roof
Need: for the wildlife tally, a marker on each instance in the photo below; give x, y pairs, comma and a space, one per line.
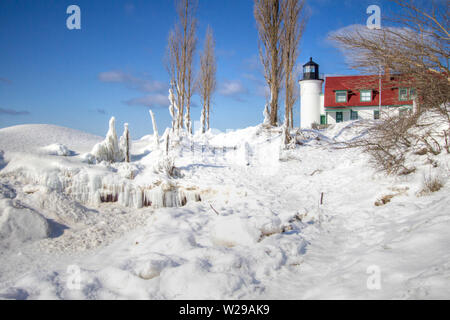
353, 84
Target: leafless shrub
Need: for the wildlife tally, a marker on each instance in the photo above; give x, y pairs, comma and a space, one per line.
166, 165
388, 142
431, 183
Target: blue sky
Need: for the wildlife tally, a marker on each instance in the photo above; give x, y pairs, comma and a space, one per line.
114, 64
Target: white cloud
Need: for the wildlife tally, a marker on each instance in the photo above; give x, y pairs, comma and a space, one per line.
12, 112
112, 76
232, 88
253, 63
133, 82
5, 80
388, 36
153, 100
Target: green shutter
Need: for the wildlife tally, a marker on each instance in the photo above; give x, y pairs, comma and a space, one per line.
376, 114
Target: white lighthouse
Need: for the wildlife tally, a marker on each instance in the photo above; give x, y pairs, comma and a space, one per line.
311, 98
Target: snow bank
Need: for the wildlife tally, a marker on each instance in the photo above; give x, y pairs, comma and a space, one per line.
201, 283
230, 231
57, 149
31, 137
19, 225
260, 230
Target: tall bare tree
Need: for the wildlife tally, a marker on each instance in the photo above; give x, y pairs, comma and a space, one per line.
180, 52
269, 20
207, 80
294, 24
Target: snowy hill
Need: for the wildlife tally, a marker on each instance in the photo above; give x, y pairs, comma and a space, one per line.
243, 219
30, 137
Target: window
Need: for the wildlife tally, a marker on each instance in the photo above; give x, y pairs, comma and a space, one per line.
366, 95
353, 115
341, 96
376, 114
323, 119
310, 69
403, 94
412, 94
339, 117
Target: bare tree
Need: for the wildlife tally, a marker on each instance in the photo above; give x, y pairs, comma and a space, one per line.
180, 56
416, 54
174, 69
416, 51
269, 20
294, 23
207, 80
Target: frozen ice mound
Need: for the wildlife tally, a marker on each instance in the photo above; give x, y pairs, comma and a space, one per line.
19, 224
57, 149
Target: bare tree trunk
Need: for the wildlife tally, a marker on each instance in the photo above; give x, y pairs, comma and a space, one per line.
127, 153
181, 49
294, 23
207, 81
207, 114
269, 20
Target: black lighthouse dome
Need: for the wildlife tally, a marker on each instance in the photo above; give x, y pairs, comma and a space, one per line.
311, 70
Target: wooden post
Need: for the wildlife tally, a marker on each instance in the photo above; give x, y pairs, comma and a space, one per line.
128, 147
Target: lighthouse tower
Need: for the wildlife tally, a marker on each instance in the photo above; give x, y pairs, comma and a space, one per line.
310, 95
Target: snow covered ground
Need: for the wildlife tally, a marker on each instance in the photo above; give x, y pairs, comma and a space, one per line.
242, 220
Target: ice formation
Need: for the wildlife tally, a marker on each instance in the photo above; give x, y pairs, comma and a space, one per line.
57, 149
155, 129
19, 224
125, 143
108, 149
266, 114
